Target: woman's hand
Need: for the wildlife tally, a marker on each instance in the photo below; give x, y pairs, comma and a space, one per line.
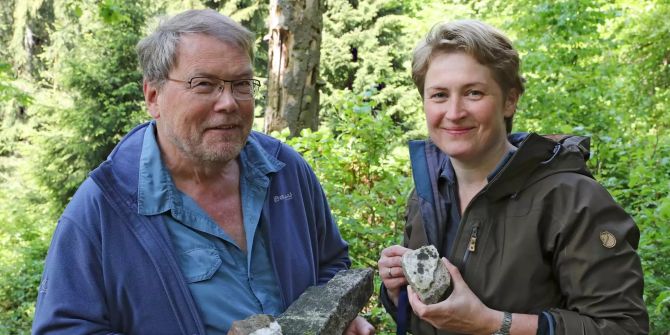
462, 312
390, 270
359, 326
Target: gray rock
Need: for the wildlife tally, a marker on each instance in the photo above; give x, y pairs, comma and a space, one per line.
328, 309
259, 324
426, 273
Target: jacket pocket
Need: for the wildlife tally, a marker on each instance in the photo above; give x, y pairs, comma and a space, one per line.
199, 264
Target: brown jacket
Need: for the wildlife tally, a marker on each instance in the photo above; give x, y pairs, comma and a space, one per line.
546, 237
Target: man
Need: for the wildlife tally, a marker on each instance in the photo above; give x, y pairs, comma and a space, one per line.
193, 221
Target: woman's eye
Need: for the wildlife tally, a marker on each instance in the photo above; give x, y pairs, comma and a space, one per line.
475, 93
439, 95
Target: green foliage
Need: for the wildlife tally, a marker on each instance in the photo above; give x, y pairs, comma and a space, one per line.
31, 23
25, 229
365, 46
70, 87
102, 74
656, 250
8, 88
364, 170
13, 101
113, 12
24, 232
563, 55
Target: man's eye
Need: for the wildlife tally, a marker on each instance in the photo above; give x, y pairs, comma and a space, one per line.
202, 83
439, 95
243, 86
475, 93
243, 83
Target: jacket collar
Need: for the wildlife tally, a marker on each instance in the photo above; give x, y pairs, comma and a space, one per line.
536, 158
447, 169
520, 170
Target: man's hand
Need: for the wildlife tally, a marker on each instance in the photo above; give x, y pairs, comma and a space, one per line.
390, 270
360, 326
462, 312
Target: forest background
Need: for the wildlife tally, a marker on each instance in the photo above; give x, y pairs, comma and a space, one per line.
70, 87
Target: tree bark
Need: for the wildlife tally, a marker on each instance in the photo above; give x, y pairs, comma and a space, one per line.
294, 55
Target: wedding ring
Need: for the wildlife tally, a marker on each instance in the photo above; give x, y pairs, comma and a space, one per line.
390, 275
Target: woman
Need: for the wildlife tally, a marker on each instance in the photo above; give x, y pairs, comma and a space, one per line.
533, 243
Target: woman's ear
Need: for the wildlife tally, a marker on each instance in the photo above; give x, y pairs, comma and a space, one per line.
511, 100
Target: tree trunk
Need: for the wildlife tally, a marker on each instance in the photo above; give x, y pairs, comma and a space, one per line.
294, 54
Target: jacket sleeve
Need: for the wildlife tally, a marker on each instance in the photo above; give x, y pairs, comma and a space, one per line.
71, 297
596, 264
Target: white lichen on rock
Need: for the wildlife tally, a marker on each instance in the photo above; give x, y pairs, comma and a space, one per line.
426, 273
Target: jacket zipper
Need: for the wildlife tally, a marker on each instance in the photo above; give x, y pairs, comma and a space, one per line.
472, 245
472, 242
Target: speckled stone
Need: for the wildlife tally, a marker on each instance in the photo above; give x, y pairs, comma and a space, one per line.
426, 273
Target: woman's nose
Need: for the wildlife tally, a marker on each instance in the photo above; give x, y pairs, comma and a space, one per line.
454, 108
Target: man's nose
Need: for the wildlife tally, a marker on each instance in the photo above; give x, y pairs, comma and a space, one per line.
225, 99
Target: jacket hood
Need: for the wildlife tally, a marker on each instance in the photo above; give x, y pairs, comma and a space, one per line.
538, 157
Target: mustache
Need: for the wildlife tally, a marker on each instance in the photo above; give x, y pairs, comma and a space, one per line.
227, 123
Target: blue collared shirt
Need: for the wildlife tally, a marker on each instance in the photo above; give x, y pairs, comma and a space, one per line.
226, 283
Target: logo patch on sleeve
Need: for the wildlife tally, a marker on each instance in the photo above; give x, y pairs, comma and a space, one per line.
608, 239
43, 285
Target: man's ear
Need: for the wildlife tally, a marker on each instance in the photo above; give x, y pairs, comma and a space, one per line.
510, 102
151, 99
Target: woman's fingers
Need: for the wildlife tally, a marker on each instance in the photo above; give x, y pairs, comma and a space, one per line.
390, 263
394, 250
456, 278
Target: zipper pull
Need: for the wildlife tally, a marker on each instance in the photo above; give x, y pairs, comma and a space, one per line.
472, 246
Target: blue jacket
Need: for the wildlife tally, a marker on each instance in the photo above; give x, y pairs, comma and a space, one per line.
112, 270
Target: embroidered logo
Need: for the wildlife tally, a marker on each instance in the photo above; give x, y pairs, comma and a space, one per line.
43, 286
608, 239
282, 197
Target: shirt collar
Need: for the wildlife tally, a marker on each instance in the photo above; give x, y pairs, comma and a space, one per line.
447, 170
156, 190
257, 163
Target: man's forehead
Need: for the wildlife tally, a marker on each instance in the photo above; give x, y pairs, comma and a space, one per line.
209, 41
201, 54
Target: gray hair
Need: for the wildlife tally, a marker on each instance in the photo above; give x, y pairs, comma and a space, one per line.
158, 52
486, 44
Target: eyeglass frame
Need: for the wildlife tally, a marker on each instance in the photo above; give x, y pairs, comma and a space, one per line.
255, 86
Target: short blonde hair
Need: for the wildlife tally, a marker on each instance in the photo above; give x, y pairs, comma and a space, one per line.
486, 44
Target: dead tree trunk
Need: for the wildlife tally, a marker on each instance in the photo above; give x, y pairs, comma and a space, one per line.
294, 55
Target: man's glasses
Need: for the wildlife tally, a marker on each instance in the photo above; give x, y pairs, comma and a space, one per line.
211, 88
